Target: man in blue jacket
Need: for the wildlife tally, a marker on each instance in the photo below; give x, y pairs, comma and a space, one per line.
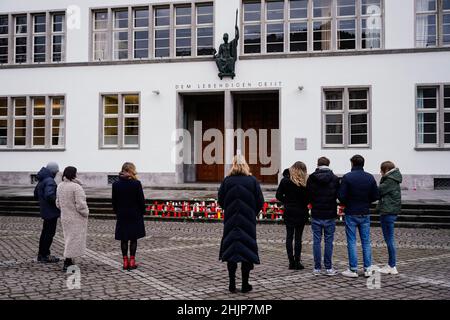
45, 192
357, 191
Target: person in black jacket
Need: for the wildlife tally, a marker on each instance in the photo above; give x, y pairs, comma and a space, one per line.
129, 206
294, 196
45, 192
323, 186
241, 198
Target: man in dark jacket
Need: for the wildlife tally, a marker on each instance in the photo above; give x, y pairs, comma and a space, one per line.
45, 192
323, 187
357, 191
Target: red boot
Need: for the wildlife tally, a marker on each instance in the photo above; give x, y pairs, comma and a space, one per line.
133, 264
126, 264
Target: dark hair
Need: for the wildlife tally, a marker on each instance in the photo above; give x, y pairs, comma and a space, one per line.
387, 166
70, 173
323, 161
357, 160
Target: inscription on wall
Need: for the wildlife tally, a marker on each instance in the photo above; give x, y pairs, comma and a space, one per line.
229, 85
300, 143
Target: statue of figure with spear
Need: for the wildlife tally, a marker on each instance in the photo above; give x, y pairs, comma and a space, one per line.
228, 53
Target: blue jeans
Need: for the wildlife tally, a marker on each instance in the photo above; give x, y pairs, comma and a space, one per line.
362, 223
387, 226
327, 226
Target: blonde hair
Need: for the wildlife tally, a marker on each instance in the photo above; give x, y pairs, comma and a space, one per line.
239, 167
298, 174
130, 169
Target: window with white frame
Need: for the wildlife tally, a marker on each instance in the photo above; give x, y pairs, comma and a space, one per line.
100, 35
32, 122
140, 33
4, 38
433, 116
205, 29
57, 37
3, 122
120, 116
20, 38
183, 29
432, 23
32, 38
39, 37
120, 34
272, 26
162, 31
252, 27
346, 117
298, 25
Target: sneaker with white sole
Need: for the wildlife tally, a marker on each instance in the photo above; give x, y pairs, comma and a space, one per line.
371, 270
350, 274
331, 272
388, 270
317, 272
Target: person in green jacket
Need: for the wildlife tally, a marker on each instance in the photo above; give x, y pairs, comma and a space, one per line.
389, 207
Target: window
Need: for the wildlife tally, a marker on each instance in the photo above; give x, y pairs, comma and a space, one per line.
162, 32
322, 19
298, 25
433, 116
120, 35
20, 38
275, 26
183, 31
346, 118
311, 25
432, 23
140, 33
205, 29
120, 113
3, 121
35, 122
4, 40
57, 37
100, 34
39, 37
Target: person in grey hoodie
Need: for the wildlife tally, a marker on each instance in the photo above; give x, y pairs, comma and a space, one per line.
389, 207
45, 193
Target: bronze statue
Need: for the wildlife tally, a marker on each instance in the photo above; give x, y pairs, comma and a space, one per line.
227, 56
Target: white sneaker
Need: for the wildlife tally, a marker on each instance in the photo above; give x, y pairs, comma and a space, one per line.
331, 272
317, 272
371, 270
388, 270
350, 274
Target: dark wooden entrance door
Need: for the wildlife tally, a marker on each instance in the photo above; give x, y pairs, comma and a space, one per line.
209, 110
259, 112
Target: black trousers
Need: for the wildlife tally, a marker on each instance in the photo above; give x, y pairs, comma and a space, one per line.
245, 268
47, 234
294, 234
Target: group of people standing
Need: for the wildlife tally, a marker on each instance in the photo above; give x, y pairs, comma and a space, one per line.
241, 198
68, 201
319, 193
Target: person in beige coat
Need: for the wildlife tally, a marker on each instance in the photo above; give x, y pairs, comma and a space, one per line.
71, 200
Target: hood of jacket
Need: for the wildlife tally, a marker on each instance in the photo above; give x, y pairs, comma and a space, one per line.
322, 176
394, 174
286, 173
44, 173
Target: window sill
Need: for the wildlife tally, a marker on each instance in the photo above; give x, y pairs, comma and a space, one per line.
119, 148
32, 149
432, 149
346, 147
312, 54
107, 62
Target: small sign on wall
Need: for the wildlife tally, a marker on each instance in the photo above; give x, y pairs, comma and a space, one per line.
300, 143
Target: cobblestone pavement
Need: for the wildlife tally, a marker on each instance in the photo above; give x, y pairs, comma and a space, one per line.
179, 260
